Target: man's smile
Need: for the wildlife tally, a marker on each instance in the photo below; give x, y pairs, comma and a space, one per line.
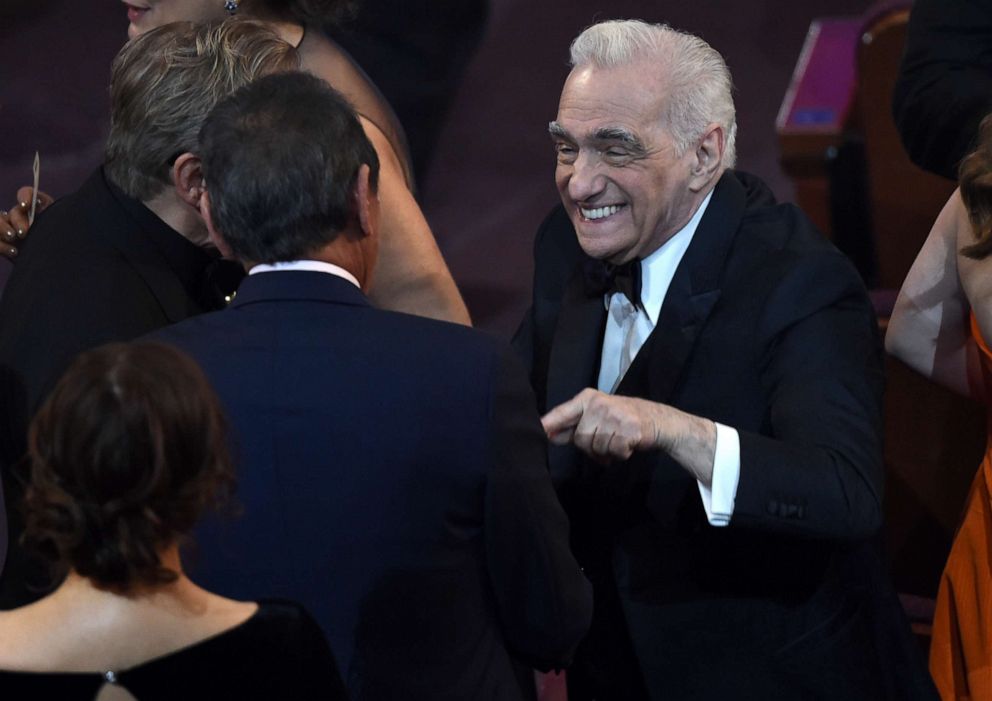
595, 213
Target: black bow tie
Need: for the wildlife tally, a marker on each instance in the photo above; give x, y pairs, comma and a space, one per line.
603, 278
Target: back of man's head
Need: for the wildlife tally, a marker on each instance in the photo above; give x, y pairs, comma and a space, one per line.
281, 159
696, 77
164, 83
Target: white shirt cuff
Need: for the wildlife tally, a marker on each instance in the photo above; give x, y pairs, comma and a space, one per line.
718, 498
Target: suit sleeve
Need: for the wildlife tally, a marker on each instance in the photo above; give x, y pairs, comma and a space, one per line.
816, 469
544, 600
556, 253
944, 86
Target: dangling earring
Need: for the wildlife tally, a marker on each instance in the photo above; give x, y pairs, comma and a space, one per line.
231, 6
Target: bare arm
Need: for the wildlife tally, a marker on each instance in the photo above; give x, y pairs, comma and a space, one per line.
411, 276
929, 325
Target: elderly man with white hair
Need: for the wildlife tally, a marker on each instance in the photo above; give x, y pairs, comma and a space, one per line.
712, 380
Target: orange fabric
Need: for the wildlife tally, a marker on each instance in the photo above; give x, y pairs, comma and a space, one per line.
961, 648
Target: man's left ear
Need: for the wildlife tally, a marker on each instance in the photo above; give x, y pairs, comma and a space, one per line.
187, 177
366, 202
709, 157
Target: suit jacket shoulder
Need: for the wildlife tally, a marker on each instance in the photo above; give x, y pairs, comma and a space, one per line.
424, 441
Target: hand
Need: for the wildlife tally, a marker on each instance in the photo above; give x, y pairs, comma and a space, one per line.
14, 224
605, 426
609, 427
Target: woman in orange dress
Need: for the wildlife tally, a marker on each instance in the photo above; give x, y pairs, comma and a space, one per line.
939, 326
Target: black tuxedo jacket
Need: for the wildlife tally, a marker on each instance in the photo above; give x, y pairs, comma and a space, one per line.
98, 267
393, 479
765, 328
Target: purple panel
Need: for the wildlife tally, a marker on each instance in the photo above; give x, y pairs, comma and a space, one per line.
823, 83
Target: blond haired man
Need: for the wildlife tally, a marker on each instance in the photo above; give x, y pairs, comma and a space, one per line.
124, 255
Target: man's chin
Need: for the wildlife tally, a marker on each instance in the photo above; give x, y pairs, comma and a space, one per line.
599, 248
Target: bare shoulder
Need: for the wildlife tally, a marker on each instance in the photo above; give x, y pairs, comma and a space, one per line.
27, 636
57, 634
325, 59
321, 56
227, 613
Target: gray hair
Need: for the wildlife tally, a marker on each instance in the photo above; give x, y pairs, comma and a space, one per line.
165, 81
697, 76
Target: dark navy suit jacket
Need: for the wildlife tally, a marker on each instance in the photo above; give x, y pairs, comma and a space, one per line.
393, 479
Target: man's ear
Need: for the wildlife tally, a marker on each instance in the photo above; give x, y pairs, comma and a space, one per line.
216, 238
187, 177
366, 202
708, 157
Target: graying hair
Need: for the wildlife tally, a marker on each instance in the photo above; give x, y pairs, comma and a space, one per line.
165, 81
696, 75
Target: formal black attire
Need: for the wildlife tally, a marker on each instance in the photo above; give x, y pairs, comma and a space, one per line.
393, 479
944, 88
278, 653
98, 267
765, 328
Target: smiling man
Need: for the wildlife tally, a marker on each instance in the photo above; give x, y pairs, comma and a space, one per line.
712, 379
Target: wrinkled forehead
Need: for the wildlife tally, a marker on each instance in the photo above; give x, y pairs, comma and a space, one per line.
648, 73
627, 97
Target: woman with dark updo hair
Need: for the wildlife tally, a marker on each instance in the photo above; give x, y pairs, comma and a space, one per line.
125, 456
941, 327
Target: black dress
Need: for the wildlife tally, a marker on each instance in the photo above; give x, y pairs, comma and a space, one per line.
278, 653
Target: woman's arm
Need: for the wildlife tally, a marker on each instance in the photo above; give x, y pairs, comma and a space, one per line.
411, 276
929, 328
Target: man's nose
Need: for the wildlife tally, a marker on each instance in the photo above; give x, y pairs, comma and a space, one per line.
587, 179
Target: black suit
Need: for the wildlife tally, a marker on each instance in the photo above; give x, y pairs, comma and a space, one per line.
393, 479
98, 267
765, 328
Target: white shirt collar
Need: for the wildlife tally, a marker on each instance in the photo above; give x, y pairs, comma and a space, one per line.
316, 266
658, 269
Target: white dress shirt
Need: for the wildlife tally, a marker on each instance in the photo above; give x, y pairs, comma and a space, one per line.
627, 328
315, 266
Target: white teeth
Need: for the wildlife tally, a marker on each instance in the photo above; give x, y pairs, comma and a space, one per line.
600, 212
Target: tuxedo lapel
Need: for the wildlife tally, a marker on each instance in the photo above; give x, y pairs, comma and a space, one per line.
691, 297
574, 362
577, 343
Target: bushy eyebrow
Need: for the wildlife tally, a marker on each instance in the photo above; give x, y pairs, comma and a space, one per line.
558, 131
603, 134
624, 136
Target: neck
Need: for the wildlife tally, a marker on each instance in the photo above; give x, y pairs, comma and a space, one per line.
695, 201
179, 216
350, 250
179, 590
